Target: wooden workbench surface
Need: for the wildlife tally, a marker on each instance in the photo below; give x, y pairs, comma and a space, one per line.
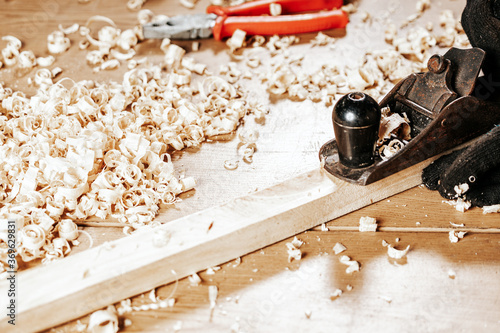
266, 293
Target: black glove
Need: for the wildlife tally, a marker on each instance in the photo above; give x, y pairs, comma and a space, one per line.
478, 166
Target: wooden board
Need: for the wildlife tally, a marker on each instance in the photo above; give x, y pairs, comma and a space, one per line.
116, 270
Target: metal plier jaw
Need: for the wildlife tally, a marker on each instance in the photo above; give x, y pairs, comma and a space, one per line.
443, 111
184, 27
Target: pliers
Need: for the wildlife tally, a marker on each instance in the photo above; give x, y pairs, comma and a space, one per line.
254, 18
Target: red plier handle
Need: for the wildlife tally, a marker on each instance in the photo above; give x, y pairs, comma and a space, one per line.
246, 17
261, 7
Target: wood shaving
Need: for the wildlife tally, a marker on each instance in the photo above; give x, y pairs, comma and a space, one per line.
388, 150
324, 227
213, 292
103, 321
423, 5
297, 242
237, 40
336, 293
455, 225
45, 61
145, 16
395, 253
348, 287
67, 229
460, 204
231, 164
10, 55
69, 30
190, 4
339, 248
461, 189
491, 209
353, 266
393, 123
275, 9
293, 249
26, 60
322, 39
135, 4
13, 42
194, 280
237, 262
455, 236
367, 223
451, 274
57, 42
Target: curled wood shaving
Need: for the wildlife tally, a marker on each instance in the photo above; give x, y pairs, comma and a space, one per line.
145, 16
45, 61
395, 253
26, 60
67, 229
10, 55
190, 4
390, 149
135, 4
13, 42
69, 30
393, 123
103, 321
231, 164
57, 42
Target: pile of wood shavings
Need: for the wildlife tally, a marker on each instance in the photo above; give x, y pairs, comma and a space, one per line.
375, 73
82, 149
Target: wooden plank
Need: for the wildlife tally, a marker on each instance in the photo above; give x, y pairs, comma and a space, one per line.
90, 280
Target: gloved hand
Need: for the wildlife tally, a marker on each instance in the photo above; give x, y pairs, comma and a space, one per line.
477, 166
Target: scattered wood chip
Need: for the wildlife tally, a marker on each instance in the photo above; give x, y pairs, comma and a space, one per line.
367, 223
353, 266
455, 236
339, 248
491, 209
